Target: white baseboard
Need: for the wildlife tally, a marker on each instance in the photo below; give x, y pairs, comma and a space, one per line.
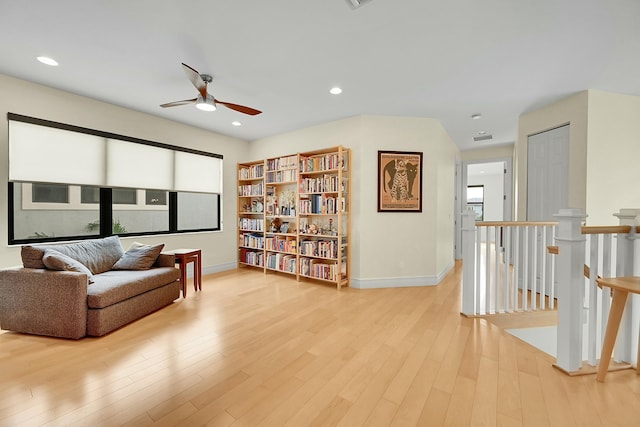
212, 269
399, 282
386, 282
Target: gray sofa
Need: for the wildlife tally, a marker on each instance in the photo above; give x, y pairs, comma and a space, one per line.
88, 288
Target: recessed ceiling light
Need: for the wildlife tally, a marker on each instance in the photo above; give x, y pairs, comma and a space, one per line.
236, 123
476, 116
335, 91
482, 132
48, 61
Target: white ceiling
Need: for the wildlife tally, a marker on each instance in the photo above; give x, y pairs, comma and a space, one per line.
421, 58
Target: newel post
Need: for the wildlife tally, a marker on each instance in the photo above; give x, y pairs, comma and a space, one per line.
468, 262
624, 350
570, 268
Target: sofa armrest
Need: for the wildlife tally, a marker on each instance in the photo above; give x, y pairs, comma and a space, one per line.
165, 260
43, 302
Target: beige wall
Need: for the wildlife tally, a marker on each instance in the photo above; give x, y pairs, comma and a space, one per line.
573, 111
389, 249
604, 143
29, 99
488, 153
613, 171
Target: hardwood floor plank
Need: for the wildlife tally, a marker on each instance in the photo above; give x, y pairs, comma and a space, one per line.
264, 350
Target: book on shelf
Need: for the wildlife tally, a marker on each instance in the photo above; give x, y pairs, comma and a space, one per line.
250, 190
287, 162
251, 172
319, 163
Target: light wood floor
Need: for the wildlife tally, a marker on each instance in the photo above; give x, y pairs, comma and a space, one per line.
254, 349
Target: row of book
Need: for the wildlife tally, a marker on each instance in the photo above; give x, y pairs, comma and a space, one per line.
325, 183
281, 176
282, 244
252, 257
250, 190
282, 262
320, 248
251, 172
251, 224
251, 241
320, 163
321, 204
314, 268
288, 162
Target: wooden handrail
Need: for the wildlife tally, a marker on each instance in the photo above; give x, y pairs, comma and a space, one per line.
515, 223
606, 229
554, 250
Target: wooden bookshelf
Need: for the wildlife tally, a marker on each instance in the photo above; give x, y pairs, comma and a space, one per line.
251, 214
304, 215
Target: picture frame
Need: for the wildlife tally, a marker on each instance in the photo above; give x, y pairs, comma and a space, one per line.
399, 181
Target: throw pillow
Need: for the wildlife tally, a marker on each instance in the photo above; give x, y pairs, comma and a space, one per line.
98, 255
54, 260
139, 257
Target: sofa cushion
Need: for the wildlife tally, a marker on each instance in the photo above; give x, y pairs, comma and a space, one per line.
139, 257
54, 260
118, 285
98, 255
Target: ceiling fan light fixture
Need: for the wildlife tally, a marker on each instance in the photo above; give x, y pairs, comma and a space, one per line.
48, 61
207, 104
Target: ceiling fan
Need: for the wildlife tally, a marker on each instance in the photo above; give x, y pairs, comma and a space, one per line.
205, 101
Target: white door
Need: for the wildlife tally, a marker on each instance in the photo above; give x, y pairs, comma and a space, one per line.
547, 174
547, 189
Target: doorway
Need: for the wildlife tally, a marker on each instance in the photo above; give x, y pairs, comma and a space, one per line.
493, 176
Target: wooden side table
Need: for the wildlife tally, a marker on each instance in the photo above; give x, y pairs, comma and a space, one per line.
184, 257
621, 287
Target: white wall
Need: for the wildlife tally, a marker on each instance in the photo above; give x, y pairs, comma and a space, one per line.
613, 171
21, 97
389, 249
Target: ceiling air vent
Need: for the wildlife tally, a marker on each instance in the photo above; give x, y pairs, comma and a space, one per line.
482, 138
357, 3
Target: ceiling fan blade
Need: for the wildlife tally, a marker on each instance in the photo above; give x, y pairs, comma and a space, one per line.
177, 103
246, 110
196, 80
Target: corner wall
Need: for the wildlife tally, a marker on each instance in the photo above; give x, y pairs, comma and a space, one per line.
218, 248
388, 249
573, 111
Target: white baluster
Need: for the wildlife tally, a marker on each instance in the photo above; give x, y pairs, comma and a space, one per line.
592, 343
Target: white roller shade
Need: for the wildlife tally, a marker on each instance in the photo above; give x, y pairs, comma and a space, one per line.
45, 154
138, 166
197, 173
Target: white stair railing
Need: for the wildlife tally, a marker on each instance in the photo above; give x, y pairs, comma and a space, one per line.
506, 266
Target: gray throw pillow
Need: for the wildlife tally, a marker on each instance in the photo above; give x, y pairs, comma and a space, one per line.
139, 257
54, 260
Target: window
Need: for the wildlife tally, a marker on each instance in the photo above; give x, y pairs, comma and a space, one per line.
70, 202
50, 193
124, 196
475, 200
